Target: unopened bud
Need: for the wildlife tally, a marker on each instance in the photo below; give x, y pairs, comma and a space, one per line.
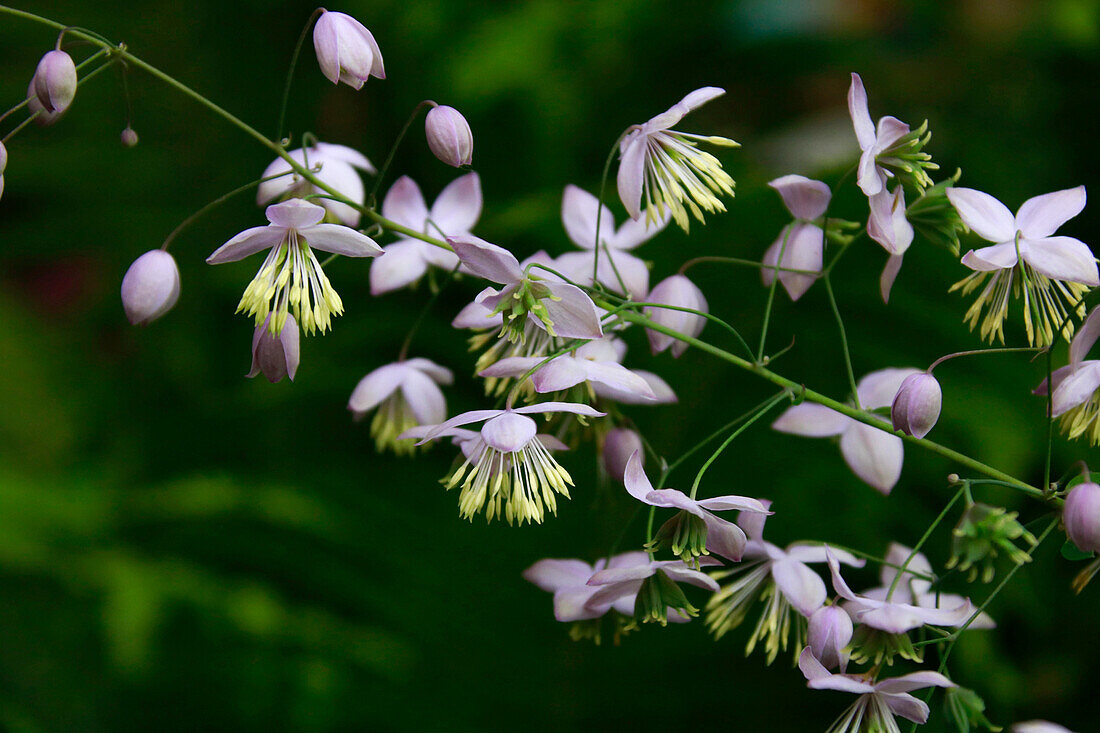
55, 81
150, 287
3, 165
917, 404
1081, 515
618, 446
449, 136
346, 50
276, 356
830, 632
129, 137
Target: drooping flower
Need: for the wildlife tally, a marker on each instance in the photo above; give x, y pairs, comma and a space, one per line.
878, 702
276, 356
1052, 273
454, 213
449, 136
561, 309
512, 474
54, 81
916, 406
150, 287
291, 278
668, 170
406, 394
801, 245
680, 293
781, 578
1076, 398
654, 587
873, 455
333, 165
346, 50
618, 270
889, 150
829, 633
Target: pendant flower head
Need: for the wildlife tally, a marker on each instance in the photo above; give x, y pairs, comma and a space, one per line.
291, 278
1052, 273
668, 170
406, 394
275, 356
509, 471
333, 165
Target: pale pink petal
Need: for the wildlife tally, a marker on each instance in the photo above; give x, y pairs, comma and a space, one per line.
734, 503
458, 206
877, 389
574, 604
805, 251
817, 553
998, 257
724, 538
1062, 258
874, 456
631, 174
561, 373
553, 574
342, 153
913, 681
573, 407
674, 499
615, 265
340, 240
618, 378
623, 574
1075, 388
294, 214
860, 114
889, 275
424, 397
572, 312
636, 231
248, 242
512, 366
375, 387
1085, 338
886, 223
889, 131
404, 204
1041, 216
803, 587
869, 177
681, 573
804, 197
439, 374
637, 483
508, 432
486, 260
475, 315
676, 112
984, 215
907, 707
811, 420
578, 215
401, 266
464, 418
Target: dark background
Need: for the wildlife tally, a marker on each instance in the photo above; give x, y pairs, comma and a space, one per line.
182, 548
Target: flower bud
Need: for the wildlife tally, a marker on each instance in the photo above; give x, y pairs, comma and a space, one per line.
346, 50
3, 165
275, 356
917, 404
55, 81
42, 116
128, 137
150, 287
449, 136
618, 446
677, 291
1081, 515
830, 632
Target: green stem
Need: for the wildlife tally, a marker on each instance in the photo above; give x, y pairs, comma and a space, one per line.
978, 352
769, 404
393, 151
771, 294
743, 262
924, 538
682, 309
401, 229
599, 207
290, 74
843, 339
213, 204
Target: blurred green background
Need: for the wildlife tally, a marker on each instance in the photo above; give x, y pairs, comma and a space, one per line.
182, 548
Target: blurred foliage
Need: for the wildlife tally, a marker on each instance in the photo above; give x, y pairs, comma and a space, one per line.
181, 548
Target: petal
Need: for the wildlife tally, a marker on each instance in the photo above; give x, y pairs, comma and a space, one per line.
375, 387
805, 251
512, 366
889, 275
404, 204
458, 206
1042, 215
424, 397
636, 231
346, 180
464, 418
637, 483
340, 240
676, 112
342, 153
893, 618
578, 216
486, 260
811, 420
840, 586
734, 503
803, 587
662, 393
986, 216
509, 432
869, 176
475, 315
681, 573
439, 374
402, 266
860, 114
1062, 258
1075, 388
817, 553
618, 378
889, 131
907, 707
804, 197
886, 223
553, 574
622, 574
998, 257
327, 48
877, 389
913, 681
724, 538
616, 265
874, 456
572, 312
632, 174
561, 373
1085, 338
574, 604
248, 242
573, 407
295, 214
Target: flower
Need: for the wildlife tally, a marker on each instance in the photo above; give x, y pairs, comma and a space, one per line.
618, 270
54, 81
346, 50
568, 581
653, 585
829, 632
878, 702
275, 355
562, 310
916, 406
406, 394
695, 530
291, 278
454, 213
668, 169
333, 165
782, 578
801, 245
449, 136
150, 287
888, 150
1081, 515
1053, 273
873, 455
680, 293
1076, 398
511, 471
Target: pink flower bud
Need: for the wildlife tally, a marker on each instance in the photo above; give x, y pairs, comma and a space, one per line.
1081, 515
43, 117
618, 446
830, 631
677, 291
3, 165
449, 136
917, 404
150, 287
275, 356
128, 137
346, 50
55, 81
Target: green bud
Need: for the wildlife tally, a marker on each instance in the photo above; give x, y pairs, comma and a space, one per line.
965, 709
981, 535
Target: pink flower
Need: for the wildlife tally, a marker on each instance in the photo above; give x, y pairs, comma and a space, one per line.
802, 243
406, 394
346, 50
